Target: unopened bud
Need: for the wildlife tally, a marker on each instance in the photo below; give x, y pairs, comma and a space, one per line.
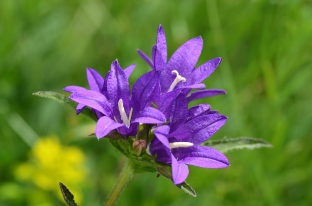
139, 146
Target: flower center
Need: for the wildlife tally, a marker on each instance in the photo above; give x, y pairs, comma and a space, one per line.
123, 114
176, 80
180, 144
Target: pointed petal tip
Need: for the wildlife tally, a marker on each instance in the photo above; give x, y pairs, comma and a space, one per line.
160, 28
218, 60
90, 69
199, 38
65, 89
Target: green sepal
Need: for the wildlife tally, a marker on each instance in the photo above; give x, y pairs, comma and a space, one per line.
67, 195
227, 144
165, 170
62, 99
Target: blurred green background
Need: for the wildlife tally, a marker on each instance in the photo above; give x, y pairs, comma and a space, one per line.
266, 69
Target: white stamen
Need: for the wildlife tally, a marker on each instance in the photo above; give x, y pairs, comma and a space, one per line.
176, 80
180, 144
123, 114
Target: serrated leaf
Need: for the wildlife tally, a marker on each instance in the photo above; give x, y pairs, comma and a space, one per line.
227, 144
62, 99
67, 195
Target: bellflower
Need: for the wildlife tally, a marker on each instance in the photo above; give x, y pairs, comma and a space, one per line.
114, 103
180, 72
96, 83
178, 142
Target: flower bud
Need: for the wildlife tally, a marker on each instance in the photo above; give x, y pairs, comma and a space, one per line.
139, 146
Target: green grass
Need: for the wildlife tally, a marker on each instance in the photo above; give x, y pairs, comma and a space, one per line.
266, 70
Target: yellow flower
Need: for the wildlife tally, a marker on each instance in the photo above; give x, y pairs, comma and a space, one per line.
51, 163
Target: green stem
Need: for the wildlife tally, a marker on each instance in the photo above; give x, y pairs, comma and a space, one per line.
124, 177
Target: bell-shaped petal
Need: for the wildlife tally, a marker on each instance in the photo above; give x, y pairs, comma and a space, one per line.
201, 156
160, 144
145, 58
92, 99
95, 80
183, 60
145, 90
204, 93
161, 134
179, 111
79, 107
150, 115
199, 129
74, 89
165, 101
105, 125
161, 43
118, 88
197, 110
180, 171
158, 59
203, 71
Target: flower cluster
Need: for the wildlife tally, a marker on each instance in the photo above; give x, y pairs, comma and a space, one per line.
158, 102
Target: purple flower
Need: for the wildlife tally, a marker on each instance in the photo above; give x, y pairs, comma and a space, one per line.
180, 71
116, 107
178, 142
159, 100
96, 83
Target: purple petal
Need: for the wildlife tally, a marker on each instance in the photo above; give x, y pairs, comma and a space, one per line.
184, 61
74, 89
203, 71
165, 101
145, 90
161, 134
118, 88
179, 111
198, 110
156, 148
95, 80
199, 129
150, 115
146, 58
158, 60
161, 43
180, 171
192, 86
128, 71
201, 156
104, 126
204, 93
92, 99
79, 108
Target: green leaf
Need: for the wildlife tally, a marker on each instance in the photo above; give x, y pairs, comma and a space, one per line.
62, 99
67, 195
227, 144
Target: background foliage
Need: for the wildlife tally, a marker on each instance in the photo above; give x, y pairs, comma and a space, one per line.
266, 70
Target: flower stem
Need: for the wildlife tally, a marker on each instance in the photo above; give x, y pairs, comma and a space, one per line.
124, 177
